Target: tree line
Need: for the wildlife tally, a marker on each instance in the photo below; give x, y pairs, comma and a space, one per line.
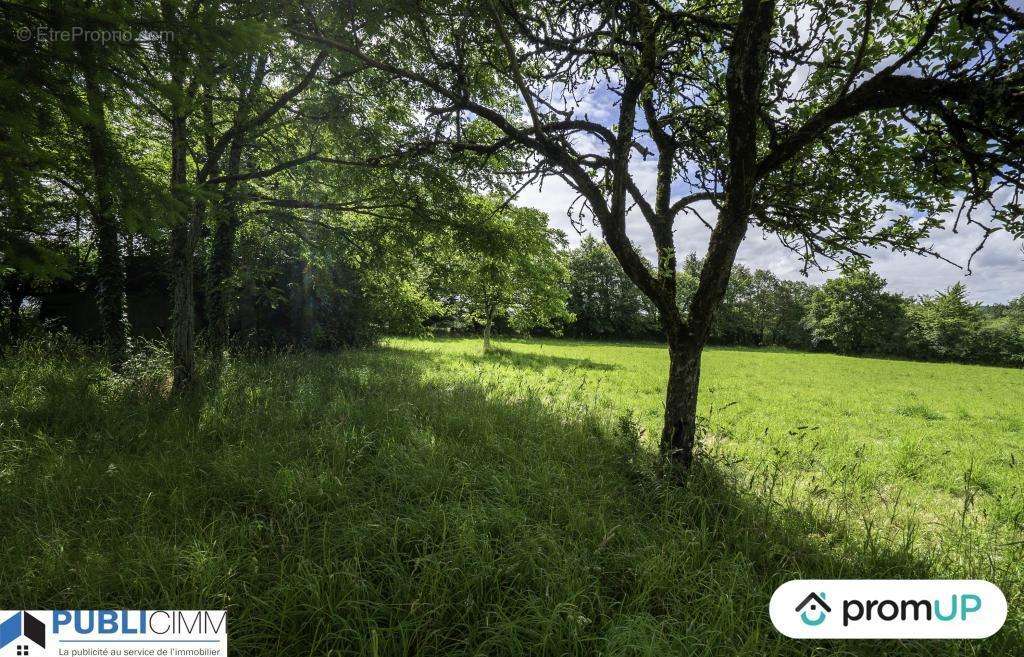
852, 313
524, 280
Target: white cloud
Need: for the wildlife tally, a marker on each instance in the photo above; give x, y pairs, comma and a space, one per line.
997, 271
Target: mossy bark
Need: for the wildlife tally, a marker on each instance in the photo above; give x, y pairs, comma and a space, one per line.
110, 271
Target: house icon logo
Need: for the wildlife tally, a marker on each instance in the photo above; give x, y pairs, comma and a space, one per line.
815, 605
22, 629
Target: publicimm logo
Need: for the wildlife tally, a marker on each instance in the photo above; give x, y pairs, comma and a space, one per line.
80, 632
21, 629
888, 609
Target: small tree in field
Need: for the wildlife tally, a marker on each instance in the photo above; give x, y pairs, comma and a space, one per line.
945, 325
517, 273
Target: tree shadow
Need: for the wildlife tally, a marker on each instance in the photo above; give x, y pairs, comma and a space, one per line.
332, 503
519, 359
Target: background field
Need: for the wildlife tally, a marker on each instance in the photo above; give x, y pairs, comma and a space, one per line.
423, 498
932, 434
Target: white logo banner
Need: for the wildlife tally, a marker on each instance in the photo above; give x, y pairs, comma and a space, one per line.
888, 609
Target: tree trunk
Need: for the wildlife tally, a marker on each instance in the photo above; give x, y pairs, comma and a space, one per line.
110, 273
744, 82
488, 321
183, 336
222, 257
679, 435
182, 264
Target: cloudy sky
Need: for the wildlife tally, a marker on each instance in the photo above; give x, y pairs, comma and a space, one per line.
997, 271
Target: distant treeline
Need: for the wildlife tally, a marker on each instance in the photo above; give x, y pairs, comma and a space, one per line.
284, 297
850, 314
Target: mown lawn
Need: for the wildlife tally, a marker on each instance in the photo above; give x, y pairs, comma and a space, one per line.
425, 499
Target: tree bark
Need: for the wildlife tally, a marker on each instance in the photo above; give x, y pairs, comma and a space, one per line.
110, 272
488, 322
679, 433
220, 272
182, 263
744, 81
222, 256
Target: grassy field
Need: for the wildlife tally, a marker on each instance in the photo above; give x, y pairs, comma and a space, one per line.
938, 440
423, 498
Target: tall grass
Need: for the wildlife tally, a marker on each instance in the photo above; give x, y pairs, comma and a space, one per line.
395, 501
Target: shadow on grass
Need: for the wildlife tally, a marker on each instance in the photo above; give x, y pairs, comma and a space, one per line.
517, 359
534, 361
345, 505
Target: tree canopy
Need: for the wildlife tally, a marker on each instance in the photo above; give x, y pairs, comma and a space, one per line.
515, 272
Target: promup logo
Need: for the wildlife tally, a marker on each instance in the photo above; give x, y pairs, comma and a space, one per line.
22, 629
814, 602
888, 609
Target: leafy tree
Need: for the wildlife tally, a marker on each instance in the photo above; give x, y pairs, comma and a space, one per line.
70, 84
1000, 341
517, 274
733, 323
1016, 307
763, 108
853, 314
789, 305
945, 326
602, 299
757, 309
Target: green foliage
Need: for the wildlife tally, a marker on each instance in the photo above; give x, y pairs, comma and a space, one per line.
999, 341
759, 308
945, 326
602, 299
853, 314
320, 289
514, 274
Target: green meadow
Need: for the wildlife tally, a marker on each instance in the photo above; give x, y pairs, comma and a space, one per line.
424, 498
931, 438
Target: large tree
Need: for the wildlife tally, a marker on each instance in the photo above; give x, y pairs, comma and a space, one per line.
74, 79
807, 119
260, 125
